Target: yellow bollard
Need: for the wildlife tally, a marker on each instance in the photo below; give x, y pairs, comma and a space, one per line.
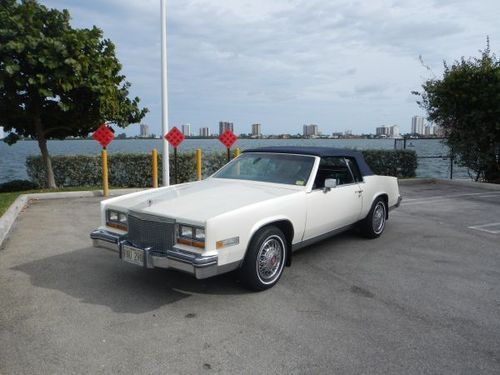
154, 166
236, 154
105, 187
198, 163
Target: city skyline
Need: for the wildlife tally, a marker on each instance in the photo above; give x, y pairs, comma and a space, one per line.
338, 64
308, 130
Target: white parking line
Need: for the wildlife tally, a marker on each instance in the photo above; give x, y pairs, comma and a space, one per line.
451, 196
484, 226
438, 198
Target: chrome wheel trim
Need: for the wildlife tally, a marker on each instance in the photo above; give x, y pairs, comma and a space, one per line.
378, 218
270, 259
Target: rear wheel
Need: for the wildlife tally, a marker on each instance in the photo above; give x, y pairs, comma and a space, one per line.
265, 259
374, 223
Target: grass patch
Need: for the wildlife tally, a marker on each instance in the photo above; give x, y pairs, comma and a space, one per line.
6, 199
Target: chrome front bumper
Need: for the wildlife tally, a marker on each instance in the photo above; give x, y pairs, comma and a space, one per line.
198, 265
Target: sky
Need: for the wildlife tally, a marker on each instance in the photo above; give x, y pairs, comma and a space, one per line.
343, 65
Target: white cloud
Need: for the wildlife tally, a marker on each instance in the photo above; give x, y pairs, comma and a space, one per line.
337, 63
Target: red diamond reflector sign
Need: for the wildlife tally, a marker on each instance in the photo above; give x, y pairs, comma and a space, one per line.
104, 135
174, 137
228, 138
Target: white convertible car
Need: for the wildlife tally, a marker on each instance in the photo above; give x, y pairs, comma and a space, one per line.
250, 215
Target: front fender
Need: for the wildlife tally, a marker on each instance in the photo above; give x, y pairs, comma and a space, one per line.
267, 221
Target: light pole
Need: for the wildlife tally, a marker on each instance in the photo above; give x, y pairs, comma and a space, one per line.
164, 94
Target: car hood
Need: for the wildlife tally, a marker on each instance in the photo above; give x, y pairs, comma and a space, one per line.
199, 201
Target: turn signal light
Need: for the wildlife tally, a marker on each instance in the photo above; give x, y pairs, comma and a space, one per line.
227, 242
185, 241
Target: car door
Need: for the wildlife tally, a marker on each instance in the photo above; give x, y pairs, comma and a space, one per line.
330, 209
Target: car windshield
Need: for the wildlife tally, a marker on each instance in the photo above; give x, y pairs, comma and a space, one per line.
276, 168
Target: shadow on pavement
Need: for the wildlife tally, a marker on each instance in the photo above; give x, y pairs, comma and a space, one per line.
99, 277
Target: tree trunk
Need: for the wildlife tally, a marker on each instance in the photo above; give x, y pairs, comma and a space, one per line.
42, 143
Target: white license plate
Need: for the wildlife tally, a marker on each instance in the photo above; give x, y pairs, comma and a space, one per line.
132, 255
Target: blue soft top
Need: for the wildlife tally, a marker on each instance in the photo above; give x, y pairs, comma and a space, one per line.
321, 152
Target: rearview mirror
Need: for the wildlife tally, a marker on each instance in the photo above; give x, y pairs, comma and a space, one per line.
330, 183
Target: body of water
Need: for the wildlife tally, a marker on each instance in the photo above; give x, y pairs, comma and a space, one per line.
12, 158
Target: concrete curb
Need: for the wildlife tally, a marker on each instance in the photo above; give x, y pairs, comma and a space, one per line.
465, 183
416, 181
8, 219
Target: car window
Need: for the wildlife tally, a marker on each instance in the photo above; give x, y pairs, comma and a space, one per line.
276, 168
333, 167
353, 166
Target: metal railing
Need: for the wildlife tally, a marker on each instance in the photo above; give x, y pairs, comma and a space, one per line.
401, 144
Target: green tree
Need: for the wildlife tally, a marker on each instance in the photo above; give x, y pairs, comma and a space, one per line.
57, 81
465, 103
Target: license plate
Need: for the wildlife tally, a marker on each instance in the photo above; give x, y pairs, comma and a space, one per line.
132, 255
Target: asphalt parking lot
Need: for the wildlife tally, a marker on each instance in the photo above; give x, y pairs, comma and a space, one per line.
422, 299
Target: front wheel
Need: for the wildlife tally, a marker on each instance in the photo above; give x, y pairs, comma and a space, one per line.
265, 259
374, 223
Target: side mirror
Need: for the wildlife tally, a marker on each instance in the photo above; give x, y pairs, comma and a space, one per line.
330, 183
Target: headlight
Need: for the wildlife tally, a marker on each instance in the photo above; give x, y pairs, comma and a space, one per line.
113, 216
116, 219
199, 234
185, 231
191, 236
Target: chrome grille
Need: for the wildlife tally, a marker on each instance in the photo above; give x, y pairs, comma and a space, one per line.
149, 231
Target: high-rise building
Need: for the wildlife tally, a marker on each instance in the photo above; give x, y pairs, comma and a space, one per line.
387, 131
417, 125
310, 130
204, 132
256, 130
383, 131
2, 133
430, 130
144, 131
394, 131
186, 129
223, 126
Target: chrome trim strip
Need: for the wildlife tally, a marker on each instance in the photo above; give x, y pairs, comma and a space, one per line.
104, 245
350, 171
150, 217
323, 236
400, 198
106, 239
194, 259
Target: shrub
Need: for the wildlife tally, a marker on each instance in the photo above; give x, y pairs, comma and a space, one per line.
124, 170
134, 170
397, 163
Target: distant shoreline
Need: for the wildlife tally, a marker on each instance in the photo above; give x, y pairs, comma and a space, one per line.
12, 162
274, 138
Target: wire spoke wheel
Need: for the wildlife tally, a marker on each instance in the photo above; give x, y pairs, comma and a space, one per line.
378, 218
373, 224
270, 259
265, 259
